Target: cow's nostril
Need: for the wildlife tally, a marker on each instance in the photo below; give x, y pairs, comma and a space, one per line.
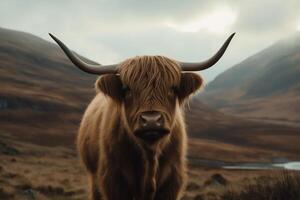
159, 120
143, 121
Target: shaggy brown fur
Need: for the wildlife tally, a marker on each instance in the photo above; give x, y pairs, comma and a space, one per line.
120, 166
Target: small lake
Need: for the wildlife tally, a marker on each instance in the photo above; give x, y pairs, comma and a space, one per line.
287, 166
283, 164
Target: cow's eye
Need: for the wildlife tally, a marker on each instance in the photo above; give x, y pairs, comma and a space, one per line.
127, 91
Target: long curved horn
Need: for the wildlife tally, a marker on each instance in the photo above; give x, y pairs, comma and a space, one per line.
89, 68
208, 63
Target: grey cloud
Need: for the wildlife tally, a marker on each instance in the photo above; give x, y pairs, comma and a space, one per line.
111, 30
268, 15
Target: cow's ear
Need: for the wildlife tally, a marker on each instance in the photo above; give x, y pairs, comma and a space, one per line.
111, 85
189, 84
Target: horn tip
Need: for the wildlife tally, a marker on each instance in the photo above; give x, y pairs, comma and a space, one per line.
53, 37
230, 38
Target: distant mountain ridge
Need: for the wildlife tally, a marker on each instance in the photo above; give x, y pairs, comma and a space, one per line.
266, 85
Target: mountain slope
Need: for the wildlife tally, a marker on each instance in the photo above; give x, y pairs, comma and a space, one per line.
39, 99
264, 86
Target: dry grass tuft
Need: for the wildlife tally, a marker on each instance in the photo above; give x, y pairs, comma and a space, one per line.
283, 187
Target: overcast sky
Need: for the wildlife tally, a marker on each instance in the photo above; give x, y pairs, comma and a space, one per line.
108, 31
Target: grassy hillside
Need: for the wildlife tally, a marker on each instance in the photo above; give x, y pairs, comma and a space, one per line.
39, 97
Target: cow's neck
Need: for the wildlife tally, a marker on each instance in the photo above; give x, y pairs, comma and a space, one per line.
151, 172
149, 158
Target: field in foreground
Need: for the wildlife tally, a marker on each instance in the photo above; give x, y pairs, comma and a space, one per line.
30, 171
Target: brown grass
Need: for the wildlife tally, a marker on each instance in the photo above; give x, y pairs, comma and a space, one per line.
285, 186
54, 172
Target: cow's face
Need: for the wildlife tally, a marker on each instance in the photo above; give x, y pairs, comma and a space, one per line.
149, 90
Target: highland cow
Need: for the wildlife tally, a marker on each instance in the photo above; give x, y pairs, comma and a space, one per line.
132, 138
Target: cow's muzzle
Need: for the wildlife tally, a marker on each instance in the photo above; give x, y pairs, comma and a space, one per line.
151, 135
151, 126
